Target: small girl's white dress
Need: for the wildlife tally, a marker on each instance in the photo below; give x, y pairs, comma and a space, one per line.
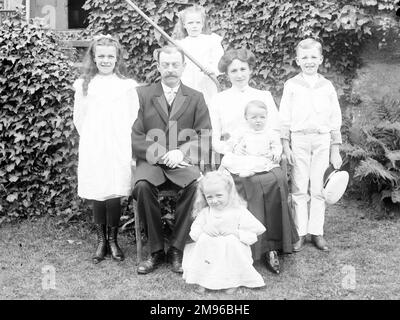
104, 120
222, 262
206, 49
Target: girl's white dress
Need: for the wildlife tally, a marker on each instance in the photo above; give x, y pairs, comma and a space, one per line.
104, 119
206, 49
222, 262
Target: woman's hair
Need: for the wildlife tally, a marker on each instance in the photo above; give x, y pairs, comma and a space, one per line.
241, 54
255, 103
89, 69
309, 43
214, 177
179, 29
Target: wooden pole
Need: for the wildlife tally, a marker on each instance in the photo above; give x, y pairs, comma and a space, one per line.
166, 36
28, 10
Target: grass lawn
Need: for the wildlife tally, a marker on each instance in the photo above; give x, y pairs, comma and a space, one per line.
361, 247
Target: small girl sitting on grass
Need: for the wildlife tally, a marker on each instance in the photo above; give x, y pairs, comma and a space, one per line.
223, 230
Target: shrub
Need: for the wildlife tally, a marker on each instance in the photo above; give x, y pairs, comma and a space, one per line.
38, 143
374, 150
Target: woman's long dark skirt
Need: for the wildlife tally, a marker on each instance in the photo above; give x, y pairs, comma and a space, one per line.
266, 194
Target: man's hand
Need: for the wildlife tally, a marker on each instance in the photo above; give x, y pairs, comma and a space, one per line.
172, 158
183, 164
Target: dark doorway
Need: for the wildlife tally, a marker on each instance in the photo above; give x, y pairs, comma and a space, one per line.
77, 17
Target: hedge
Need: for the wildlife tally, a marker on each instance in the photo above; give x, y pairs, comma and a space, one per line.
38, 142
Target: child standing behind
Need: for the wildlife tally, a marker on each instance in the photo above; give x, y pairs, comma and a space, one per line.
105, 107
223, 231
255, 148
311, 121
194, 36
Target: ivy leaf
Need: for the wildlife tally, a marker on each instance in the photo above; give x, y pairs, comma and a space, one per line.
10, 167
13, 178
169, 15
12, 197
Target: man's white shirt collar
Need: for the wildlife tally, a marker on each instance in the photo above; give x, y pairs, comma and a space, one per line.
169, 89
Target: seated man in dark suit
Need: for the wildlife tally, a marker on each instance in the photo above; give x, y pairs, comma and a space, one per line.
172, 126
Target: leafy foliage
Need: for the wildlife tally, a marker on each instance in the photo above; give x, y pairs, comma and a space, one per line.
271, 29
38, 143
374, 149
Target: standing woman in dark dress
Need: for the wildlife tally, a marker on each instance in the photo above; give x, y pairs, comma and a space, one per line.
266, 192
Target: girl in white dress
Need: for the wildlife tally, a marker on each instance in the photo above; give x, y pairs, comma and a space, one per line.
223, 230
194, 36
105, 107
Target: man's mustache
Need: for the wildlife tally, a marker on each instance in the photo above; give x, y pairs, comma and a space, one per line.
171, 75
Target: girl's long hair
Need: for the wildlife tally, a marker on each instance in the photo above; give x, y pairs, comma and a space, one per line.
89, 68
180, 32
235, 200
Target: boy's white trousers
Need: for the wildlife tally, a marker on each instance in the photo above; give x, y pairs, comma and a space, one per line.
311, 155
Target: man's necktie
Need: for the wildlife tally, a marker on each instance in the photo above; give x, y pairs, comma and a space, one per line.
170, 96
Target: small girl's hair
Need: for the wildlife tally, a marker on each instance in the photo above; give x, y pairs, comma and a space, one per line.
309, 43
241, 54
180, 32
214, 177
255, 103
89, 69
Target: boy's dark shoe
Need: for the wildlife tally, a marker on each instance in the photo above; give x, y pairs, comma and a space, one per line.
155, 259
319, 242
175, 258
299, 245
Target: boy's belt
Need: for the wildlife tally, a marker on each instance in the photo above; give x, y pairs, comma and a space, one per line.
310, 131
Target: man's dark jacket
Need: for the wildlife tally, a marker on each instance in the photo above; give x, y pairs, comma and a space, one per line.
186, 127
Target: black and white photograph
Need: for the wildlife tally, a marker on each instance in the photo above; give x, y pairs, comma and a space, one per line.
198, 156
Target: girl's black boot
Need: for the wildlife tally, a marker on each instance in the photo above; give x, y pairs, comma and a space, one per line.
101, 249
116, 252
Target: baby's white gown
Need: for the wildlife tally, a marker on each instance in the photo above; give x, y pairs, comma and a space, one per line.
224, 261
